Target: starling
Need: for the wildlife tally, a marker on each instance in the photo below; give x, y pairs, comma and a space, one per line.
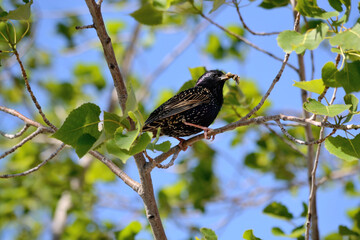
192, 110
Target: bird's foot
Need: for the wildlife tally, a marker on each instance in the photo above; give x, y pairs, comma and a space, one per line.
181, 146
206, 130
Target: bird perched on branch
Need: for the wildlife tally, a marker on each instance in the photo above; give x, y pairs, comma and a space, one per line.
193, 110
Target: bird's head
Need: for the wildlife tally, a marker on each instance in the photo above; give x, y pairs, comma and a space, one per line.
215, 78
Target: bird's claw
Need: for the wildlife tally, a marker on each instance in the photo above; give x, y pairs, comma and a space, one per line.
181, 144
211, 138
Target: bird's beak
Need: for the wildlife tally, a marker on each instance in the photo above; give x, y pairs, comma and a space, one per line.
230, 75
224, 77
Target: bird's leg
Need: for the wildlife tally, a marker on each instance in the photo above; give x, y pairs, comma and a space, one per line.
148, 157
206, 129
181, 143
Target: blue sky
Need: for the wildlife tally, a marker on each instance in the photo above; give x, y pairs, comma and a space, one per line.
332, 202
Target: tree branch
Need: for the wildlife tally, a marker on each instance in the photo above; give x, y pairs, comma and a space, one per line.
35, 101
25, 140
16, 135
23, 118
236, 4
145, 190
119, 83
244, 40
37, 167
312, 196
246, 122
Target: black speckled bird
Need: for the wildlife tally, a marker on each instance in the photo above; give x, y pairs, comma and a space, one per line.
192, 110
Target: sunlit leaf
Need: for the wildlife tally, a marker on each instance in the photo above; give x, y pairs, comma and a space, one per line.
317, 107
315, 86
309, 8
328, 73
23, 12
130, 231
349, 77
148, 15
217, 4
98, 172
293, 41
344, 148
208, 234
349, 39
276, 209
248, 235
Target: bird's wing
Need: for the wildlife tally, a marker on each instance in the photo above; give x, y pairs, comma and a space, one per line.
179, 103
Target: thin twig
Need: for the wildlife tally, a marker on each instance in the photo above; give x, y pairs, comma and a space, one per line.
33, 98
25, 140
23, 118
85, 27
320, 140
246, 27
35, 168
276, 79
340, 174
312, 194
286, 141
247, 122
18, 134
245, 40
118, 172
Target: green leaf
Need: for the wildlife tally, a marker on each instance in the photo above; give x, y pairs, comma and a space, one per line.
349, 77
216, 5
90, 74
276, 209
305, 210
208, 234
125, 140
113, 149
328, 73
350, 99
310, 8
23, 12
141, 143
345, 231
148, 15
349, 39
111, 122
353, 101
162, 4
98, 172
269, 4
214, 46
151, 145
315, 86
197, 72
293, 41
289, 40
278, 232
336, 4
80, 129
130, 231
248, 235
187, 85
344, 148
131, 103
163, 147
316, 107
